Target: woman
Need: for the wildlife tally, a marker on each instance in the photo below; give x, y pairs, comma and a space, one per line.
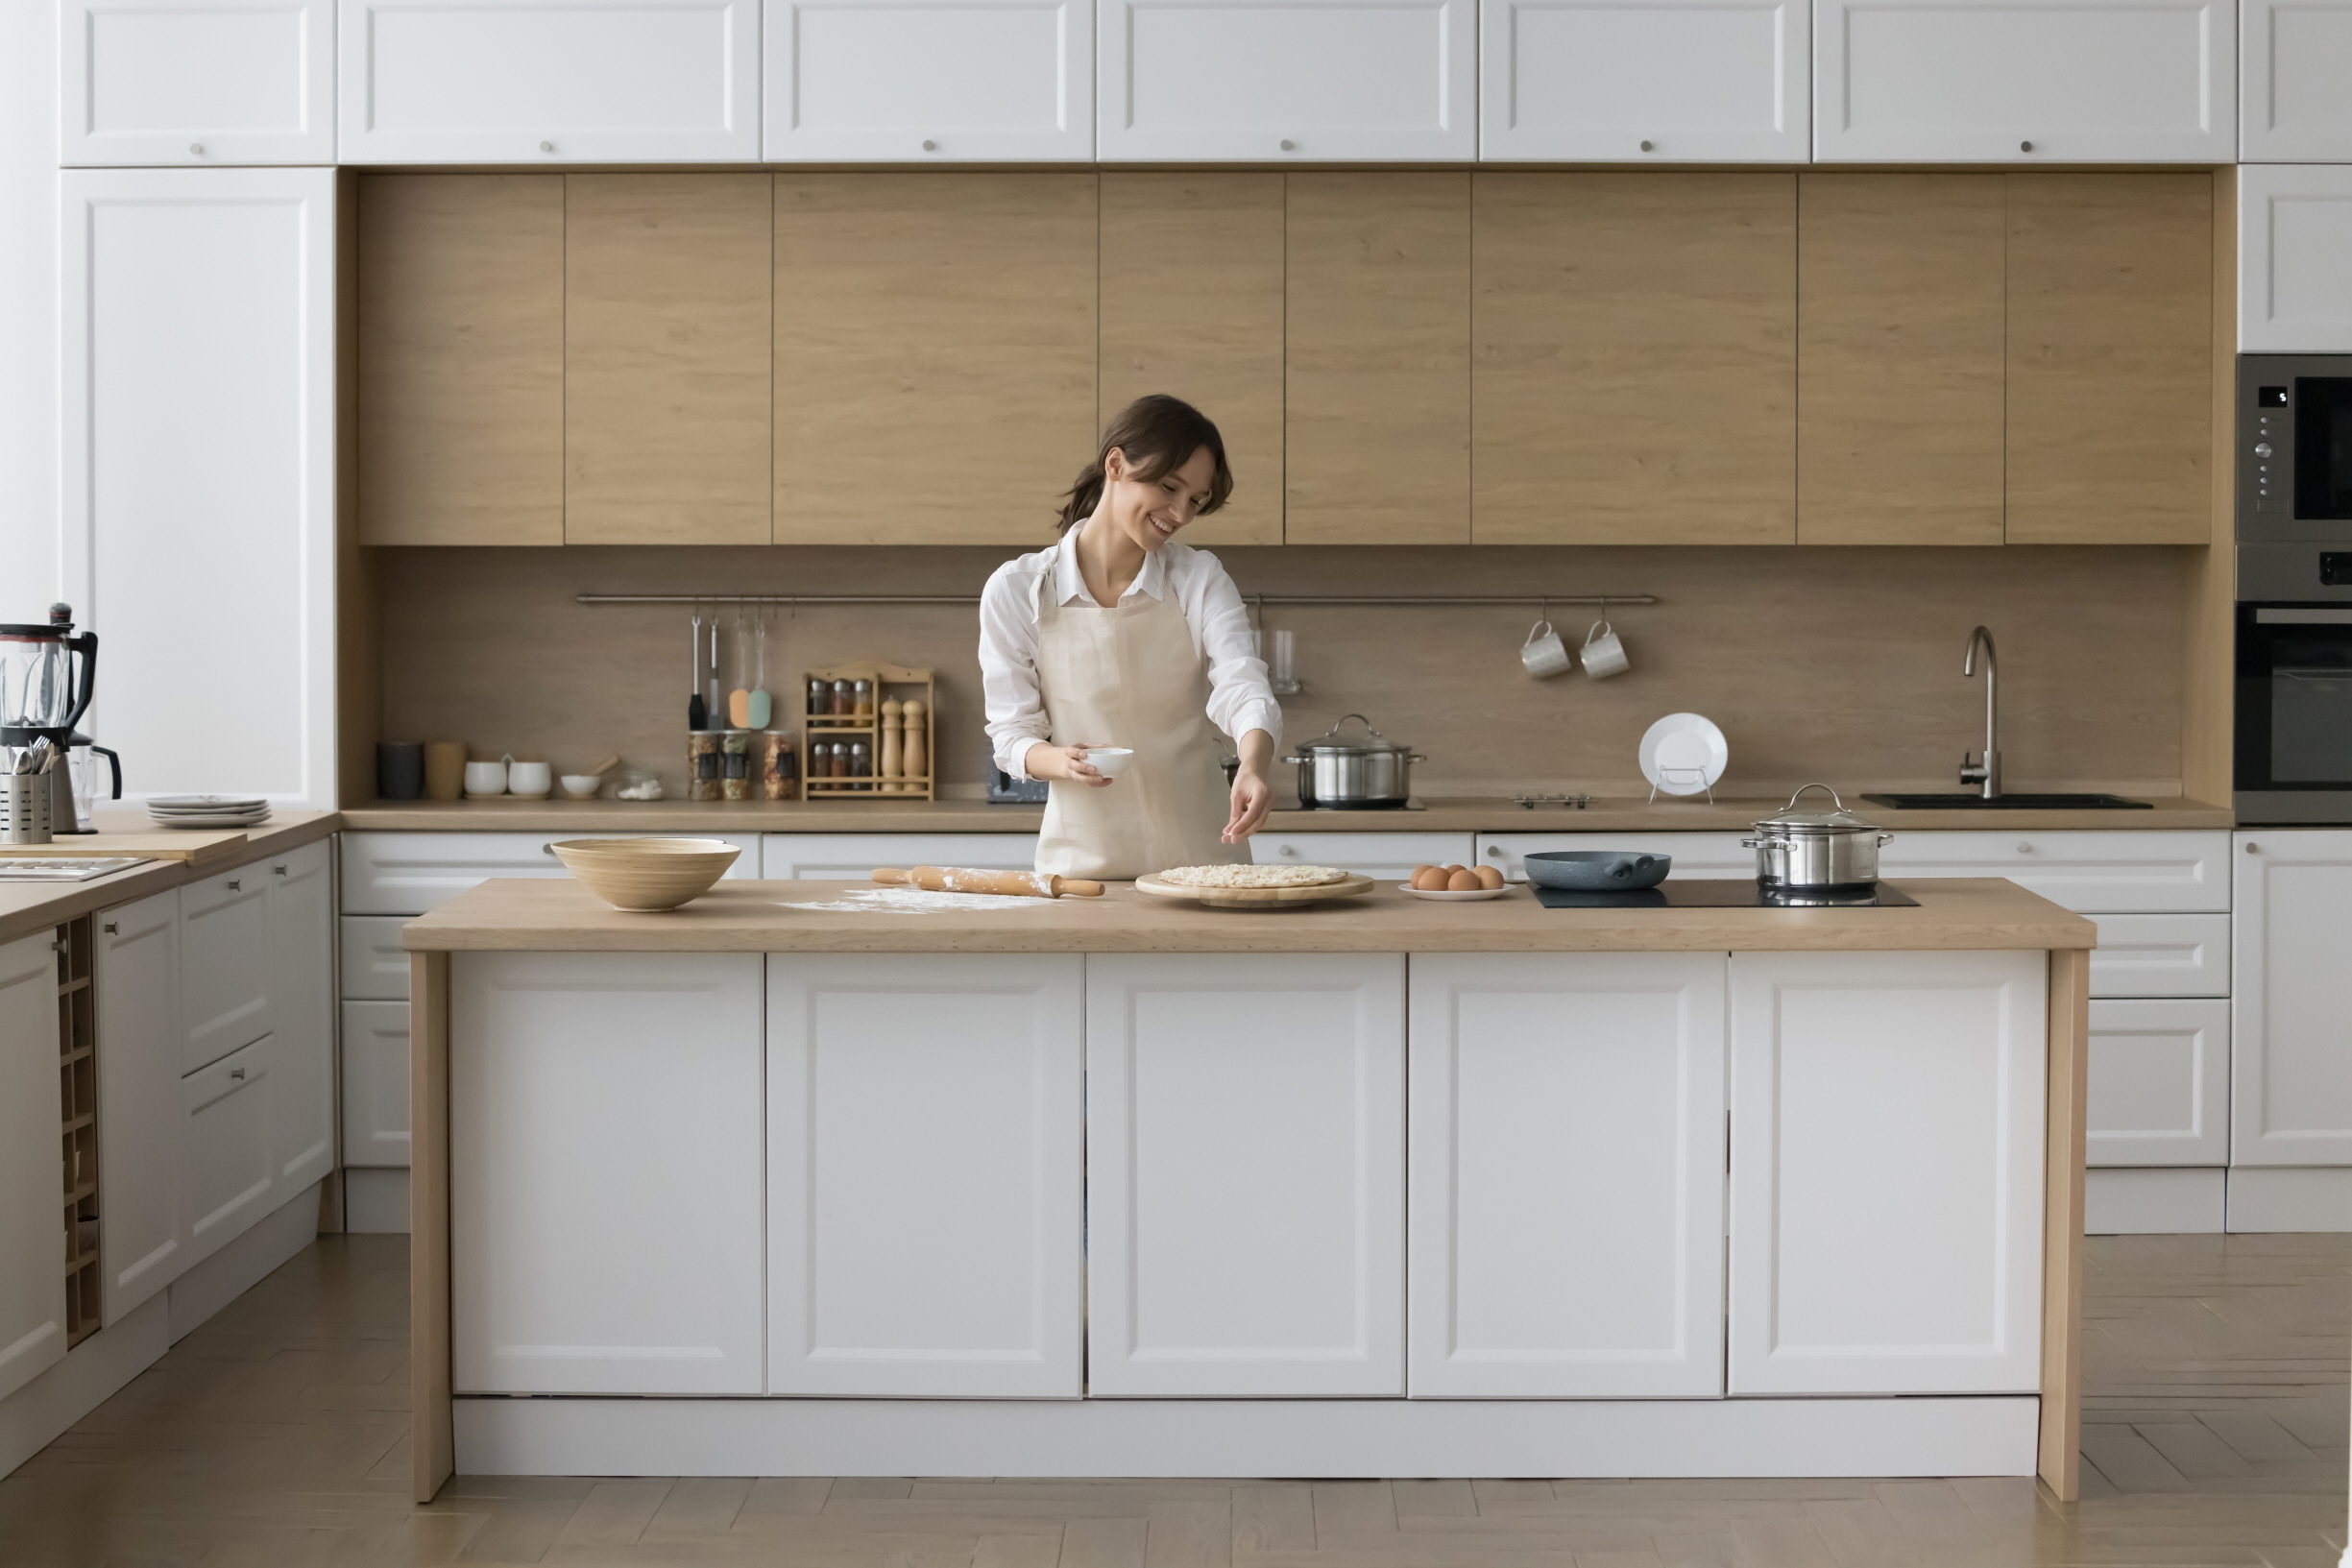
1119, 635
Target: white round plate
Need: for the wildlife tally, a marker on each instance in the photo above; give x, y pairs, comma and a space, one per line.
205, 802
1683, 754
1471, 896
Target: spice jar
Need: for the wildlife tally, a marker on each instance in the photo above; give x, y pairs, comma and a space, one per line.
844, 699
820, 699
862, 698
783, 767
862, 763
735, 768
704, 766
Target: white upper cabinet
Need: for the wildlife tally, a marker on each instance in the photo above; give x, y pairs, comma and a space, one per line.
2058, 80
199, 409
2294, 258
2294, 60
922, 81
1269, 81
1628, 81
195, 82
550, 81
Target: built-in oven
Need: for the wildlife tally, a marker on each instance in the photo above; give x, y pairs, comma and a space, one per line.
2295, 446
2295, 712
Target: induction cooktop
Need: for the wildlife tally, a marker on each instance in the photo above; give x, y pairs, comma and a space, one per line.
1722, 893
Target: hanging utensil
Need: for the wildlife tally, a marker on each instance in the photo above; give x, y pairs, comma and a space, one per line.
739, 698
698, 717
763, 705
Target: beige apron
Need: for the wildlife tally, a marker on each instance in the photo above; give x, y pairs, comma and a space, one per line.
1128, 676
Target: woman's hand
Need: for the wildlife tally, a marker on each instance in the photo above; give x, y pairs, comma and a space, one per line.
1252, 796
1067, 763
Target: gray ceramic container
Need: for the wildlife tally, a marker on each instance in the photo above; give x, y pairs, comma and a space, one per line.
1598, 871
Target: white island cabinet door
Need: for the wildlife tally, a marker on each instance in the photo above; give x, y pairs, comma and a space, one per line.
227, 1156
197, 82
926, 1173
605, 1172
303, 993
2294, 258
929, 80
549, 81
1566, 1176
1274, 81
2159, 1083
2290, 1044
199, 408
1645, 80
33, 1239
2053, 82
1886, 1172
136, 981
2294, 60
1244, 1200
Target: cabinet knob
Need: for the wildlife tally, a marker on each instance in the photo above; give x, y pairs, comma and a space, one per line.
1649, 147
930, 146
1291, 850
1494, 852
548, 849
2251, 849
2024, 147
547, 147
1288, 146
236, 887
110, 925
236, 1074
2025, 849
197, 148
278, 870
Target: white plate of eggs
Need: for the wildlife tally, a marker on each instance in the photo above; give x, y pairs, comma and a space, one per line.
1460, 884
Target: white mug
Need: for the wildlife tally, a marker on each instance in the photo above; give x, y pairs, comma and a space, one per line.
1604, 654
1544, 656
485, 778
529, 778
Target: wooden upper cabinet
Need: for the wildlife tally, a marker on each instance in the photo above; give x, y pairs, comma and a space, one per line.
461, 359
2110, 358
935, 363
1377, 356
1899, 358
666, 347
1633, 358
1192, 306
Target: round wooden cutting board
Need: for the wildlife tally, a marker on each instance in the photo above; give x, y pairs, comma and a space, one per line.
1256, 897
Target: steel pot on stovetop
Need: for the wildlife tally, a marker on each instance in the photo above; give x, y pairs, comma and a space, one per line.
1830, 851
1354, 773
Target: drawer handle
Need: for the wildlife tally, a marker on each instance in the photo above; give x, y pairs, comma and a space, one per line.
109, 929
236, 887
237, 1072
279, 870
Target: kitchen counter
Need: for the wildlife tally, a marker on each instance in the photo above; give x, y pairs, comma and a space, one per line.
26, 907
511, 914
1444, 814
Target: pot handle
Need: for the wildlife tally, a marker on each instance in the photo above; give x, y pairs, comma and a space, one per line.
1886, 840
1802, 789
1298, 759
1751, 843
1415, 756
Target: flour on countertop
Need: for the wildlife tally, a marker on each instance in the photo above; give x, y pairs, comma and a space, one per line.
915, 901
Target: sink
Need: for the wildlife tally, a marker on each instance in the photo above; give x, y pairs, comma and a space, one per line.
2009, 802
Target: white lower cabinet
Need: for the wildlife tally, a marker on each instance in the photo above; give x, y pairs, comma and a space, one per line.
1567, 1175
230, 1179
374, 966
2159, 1082
2161, 955
2131, 871
1695, 854
34, 1244
376, 1083
137, 979
303, 1005
605, 1171
413, 874
1388, 857
853, 857
926, 1174
2291, 1100
1245, 1154
1886, 1172
225, 964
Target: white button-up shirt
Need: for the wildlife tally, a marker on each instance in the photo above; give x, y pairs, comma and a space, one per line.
1240, 700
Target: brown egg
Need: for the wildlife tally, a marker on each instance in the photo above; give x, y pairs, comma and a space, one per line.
1455, 870
1424, 866
1429, 879
1463, 881
1489, 877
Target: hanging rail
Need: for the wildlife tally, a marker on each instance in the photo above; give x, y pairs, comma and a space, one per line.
1396, 599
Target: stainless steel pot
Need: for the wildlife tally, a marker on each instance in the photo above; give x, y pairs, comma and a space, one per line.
1354, 772
1817, 851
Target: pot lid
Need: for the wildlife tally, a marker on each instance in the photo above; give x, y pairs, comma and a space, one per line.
1837, 821
1336, 744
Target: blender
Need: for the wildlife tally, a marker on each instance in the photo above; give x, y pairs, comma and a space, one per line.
46, 675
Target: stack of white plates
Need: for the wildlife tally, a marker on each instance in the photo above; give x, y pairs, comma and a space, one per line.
209, 810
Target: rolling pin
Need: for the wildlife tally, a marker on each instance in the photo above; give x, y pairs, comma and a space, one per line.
1027, 885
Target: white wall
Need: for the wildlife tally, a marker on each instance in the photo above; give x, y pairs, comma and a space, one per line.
28, 309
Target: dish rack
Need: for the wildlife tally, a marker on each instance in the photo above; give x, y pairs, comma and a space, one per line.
889, 682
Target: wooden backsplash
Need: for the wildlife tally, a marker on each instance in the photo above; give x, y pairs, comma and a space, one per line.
1833, 664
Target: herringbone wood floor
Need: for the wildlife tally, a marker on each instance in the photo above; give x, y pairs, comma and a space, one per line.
2216, 1432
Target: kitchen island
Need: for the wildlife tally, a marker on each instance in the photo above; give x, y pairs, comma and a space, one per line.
1123, 1186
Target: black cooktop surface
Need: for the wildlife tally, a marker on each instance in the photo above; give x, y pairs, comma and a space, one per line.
1721, 893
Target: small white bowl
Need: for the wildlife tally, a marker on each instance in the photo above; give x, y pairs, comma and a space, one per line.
1108, 761
1468, 896
581, 786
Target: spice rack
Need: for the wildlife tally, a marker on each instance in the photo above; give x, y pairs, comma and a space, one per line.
887, 683
78, 1131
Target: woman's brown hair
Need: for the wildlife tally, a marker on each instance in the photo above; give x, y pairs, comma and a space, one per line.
1156, 435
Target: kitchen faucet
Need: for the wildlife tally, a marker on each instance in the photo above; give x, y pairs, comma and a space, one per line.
1987, 772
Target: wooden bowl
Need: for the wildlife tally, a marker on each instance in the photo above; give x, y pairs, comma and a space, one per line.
643, 875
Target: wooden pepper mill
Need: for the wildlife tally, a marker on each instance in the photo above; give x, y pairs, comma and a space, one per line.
893, 756
913, 753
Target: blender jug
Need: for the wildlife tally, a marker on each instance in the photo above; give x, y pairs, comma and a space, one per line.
46, 675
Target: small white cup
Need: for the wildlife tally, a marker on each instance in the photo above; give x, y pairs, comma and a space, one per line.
529, 778
1108, 761
485, 778
1604, 655
581, 786
1544, 656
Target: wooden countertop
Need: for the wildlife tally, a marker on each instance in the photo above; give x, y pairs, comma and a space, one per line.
1456, 814
511, 914
27, 907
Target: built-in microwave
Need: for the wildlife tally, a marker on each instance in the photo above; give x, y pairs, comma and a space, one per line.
2295, 446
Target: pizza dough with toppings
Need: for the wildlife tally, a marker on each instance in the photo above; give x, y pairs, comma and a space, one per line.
1246, 876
